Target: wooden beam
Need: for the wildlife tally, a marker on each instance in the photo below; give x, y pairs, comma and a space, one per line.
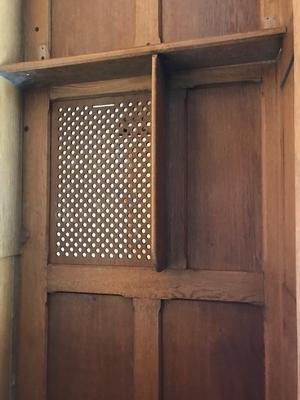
297, 170
32, 330
159, 165
148, 22
190, 79
146, 349
36, 29
140, 83
170, 284
7, 279
231, 49
273, 231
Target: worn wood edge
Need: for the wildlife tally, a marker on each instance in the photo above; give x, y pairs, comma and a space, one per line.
36, 28
296, 5
158, 145
286, 59
32, 311
147, 330
25, 71
7, 319
272, 233
113, 86
154, 164
189, 79
139, 282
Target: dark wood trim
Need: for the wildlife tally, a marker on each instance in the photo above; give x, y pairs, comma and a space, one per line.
169, 284
146, 349
237, 48
32, 326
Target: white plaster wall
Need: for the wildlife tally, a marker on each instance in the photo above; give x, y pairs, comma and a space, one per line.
10, 31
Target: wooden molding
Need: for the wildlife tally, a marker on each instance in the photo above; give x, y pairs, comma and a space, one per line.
231, 49
190, 79
140, 83
273, 231
146, 283
32, 329
146, 349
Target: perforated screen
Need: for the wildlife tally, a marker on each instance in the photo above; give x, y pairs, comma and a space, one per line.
101, 181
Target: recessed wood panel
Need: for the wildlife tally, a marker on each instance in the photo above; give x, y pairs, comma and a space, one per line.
224, 177
191, 19
90, 349
91, 26
212, 351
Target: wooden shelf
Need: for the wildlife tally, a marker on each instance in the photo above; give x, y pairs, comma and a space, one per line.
260, 46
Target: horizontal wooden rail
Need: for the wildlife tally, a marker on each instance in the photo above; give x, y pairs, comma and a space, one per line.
138, 282
238, 48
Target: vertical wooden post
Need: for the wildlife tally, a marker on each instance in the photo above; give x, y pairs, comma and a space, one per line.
31, 379
146, 349
159, 165
148, 22
270, 15
297, 166
37, 26
273, 232
10, 190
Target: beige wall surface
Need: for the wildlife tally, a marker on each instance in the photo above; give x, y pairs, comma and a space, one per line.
10, 28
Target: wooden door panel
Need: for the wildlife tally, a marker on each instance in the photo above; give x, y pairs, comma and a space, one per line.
224, 178
212, 351
190, 19
90, 347
82, 27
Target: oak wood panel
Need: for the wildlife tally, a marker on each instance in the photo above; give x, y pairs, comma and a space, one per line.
168, 284
148, 22
235, 52
273, 233
176, 178
36, 23
286, 58
7, 283
212, 351
90, 347
159, 165
189, 79
31, 354
296, 11
191, 19
287, 111
147, 349
224, 178
270, 13
289, 293
83, 27
249, 47
139, 83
